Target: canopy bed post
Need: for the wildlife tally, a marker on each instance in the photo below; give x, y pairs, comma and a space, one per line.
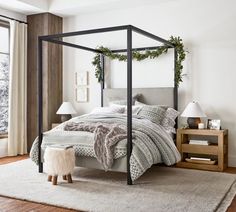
129, 102
102, 58
40, 102
175, 87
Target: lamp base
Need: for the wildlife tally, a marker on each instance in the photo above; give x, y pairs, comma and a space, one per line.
193, 122
65, 117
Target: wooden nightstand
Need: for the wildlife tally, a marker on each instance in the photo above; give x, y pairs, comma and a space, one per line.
55, 125
218, 150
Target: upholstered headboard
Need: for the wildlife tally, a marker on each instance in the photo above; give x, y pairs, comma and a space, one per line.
150, 96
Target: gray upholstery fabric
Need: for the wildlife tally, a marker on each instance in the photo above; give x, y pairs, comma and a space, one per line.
150, 96
119, 165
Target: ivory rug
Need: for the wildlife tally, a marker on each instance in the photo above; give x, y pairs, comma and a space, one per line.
159, 189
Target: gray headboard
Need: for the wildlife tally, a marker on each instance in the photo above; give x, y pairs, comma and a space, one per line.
150, 96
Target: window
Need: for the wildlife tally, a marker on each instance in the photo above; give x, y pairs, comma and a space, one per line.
4, 76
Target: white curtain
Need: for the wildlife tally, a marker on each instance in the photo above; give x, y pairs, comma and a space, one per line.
17, 130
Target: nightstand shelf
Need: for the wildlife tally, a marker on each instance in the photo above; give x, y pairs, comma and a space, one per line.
218, 150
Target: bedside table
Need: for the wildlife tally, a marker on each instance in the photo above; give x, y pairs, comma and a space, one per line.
55, 125
218, 149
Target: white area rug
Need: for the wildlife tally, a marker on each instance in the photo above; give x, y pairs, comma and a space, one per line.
160, 189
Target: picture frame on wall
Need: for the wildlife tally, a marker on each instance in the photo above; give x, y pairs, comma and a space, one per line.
81, 86
81, 94
81, 78
214, 124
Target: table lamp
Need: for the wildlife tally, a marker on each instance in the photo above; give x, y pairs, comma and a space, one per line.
65, 110
193, 111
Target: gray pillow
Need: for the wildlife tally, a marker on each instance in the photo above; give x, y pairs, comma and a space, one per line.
153, 113
115, 100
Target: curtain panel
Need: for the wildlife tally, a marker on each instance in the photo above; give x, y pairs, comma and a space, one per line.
17, 131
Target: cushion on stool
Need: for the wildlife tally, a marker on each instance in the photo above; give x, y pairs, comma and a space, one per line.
59, 161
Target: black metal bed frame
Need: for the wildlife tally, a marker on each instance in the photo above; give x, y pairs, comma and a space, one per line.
129, 29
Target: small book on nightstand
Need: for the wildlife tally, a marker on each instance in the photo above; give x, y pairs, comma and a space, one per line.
196, 158
199, 142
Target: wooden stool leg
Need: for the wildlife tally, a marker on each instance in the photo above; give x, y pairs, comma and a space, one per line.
49, 178
54, 180
64, 177
69, 178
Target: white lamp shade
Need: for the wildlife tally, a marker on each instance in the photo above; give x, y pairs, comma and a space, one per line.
193, 109
66, 108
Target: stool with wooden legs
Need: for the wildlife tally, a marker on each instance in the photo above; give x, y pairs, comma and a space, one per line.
59, 162
53, 179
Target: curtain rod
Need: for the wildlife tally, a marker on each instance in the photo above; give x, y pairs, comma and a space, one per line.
13, 19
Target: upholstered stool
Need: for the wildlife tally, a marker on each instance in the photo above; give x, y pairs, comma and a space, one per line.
59, 162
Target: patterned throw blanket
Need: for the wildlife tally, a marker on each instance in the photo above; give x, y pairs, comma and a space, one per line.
151, 143
106, 136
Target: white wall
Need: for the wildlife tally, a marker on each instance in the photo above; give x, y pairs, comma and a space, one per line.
209, 33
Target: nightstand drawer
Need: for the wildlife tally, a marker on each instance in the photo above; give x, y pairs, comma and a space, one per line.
199, 149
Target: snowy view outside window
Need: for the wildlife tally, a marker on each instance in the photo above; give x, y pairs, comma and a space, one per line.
4, 77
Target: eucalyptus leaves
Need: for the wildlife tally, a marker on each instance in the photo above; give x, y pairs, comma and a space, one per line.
180, 56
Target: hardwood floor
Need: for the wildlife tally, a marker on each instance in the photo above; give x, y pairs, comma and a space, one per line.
14, 205
12, 159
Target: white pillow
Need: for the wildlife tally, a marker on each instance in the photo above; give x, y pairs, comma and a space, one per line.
139, 103
111, 109
135, 108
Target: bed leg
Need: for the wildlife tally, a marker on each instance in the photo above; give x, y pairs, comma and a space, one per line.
129, 181
40, 167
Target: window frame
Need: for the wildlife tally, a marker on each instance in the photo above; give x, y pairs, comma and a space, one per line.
6, 25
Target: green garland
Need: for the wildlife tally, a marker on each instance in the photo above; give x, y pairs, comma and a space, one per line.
180, 56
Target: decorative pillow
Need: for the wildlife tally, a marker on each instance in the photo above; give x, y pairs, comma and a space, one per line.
168, 121
114, 100
142, 104
135, 109
153, 113
112, 109
139, 103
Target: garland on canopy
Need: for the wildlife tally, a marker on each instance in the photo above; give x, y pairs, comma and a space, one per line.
152, 54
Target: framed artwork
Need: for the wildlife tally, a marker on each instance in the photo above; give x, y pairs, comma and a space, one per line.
81, 86
213, 124
81, 94
81, 78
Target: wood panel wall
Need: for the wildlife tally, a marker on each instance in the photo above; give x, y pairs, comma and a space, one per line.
43, 24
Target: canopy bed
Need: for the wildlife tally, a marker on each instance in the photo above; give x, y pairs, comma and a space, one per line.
166, 96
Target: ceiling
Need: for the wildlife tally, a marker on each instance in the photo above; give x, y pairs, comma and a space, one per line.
71, 7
